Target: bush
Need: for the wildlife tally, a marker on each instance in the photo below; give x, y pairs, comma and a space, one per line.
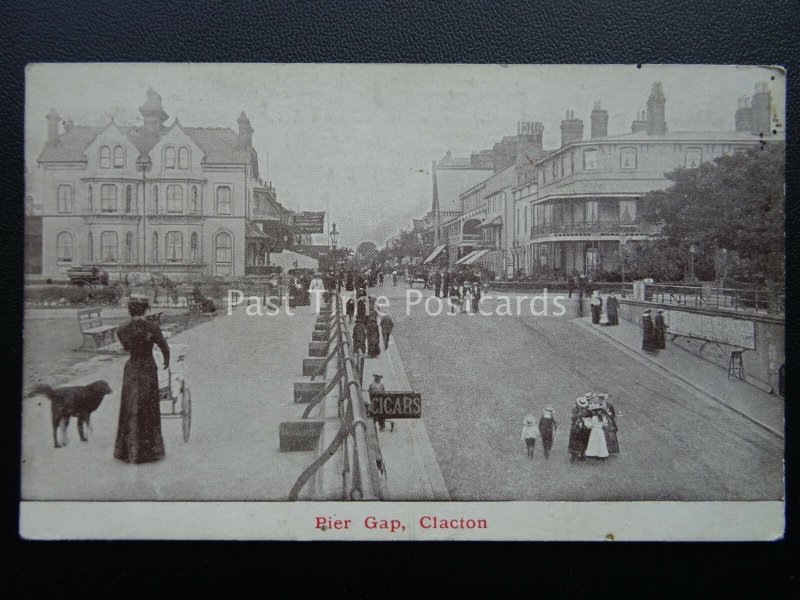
74, 295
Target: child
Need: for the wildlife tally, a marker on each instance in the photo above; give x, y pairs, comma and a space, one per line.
529, 434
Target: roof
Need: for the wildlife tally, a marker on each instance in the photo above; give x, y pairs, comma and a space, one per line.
683, 136
220, 145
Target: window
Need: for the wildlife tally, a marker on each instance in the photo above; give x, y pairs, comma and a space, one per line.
694, 156
108, 246
563, 165
174, 199
129, 247
174, 246
89, 199
169, 158
223, 246
592, 260
592, 211
64, 199
108, 198
194, 201
90, 247
627, 210
119, 157
105, 157
155, 199
64, 246
572, 162
590, 160
128, 199
193, 244
627, 159
154, 248
223, 200
183, 158
555, 169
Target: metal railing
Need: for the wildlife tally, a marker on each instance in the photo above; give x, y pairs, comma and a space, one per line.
356, 438
615, 228
742, 300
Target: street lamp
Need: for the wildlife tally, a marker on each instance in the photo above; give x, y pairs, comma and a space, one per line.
144, 164
334, 235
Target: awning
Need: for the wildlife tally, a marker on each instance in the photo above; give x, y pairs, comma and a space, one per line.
433, 255
498, 220
251, 231
473, 257
463, 260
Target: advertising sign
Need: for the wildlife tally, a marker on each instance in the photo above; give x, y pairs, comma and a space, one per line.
309, 222
396, 405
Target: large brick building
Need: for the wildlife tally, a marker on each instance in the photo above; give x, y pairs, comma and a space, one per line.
569, 209
175, 199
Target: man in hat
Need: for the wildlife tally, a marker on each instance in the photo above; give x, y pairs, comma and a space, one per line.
648, 333
577, 437
596, 304
387, 325
612, 310
547, 429
660, 330
316, 289
376, 387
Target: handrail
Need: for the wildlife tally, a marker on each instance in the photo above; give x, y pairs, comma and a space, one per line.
365, 464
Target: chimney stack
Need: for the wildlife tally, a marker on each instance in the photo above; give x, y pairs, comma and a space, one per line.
52, 126
245, 132
599, 121
761, 110
640, 124
571, 129
153, 115
744, 115
656, 115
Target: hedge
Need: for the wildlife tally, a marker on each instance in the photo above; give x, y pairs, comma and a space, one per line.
71, 295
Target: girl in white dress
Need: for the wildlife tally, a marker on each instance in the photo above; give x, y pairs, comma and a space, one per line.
596, 447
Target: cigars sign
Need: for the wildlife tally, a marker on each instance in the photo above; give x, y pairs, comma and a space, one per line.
396, 405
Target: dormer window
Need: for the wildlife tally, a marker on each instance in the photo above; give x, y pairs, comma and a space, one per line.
119, 157
590, 160
183, 158
169, 158
105, 157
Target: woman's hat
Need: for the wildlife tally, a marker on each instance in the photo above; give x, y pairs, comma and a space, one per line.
138, 299
529, 419
589, 395
549, 407
582, 402
377, 376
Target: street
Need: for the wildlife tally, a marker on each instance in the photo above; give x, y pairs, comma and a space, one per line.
480, 375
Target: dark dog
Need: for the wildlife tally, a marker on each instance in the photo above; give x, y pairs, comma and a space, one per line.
77, 401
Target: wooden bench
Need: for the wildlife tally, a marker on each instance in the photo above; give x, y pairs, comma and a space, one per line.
90, 321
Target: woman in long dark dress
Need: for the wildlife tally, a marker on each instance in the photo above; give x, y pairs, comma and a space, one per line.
373, 335
139, 432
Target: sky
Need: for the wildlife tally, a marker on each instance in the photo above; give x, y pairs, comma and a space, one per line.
357, 141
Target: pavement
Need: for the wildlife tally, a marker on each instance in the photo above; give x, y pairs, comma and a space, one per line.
240, 370
756, 405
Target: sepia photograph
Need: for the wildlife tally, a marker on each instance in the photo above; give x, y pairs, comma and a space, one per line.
404, 301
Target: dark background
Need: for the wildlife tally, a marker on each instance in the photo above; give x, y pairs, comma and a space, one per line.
467, 31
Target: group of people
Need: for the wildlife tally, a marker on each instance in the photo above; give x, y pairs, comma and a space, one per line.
464, 289
654, 331
593, 428
611, 306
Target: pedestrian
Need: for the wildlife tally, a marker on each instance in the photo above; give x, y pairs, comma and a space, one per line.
612, 309
577, 430
139, 430
453, 299
610, 429
476, 295
660, 330
466, 296
446, 284
596, 304
361, 305
529, 434
359, 337
348, 284
373, 335
596, 446
648, 333
387, 325
437, 283
376, 387
380, 278
570, 285
350, 309
394, 278
547, 429
316, 290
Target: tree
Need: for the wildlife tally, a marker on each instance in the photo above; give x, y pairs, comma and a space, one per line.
734, 203
366, 253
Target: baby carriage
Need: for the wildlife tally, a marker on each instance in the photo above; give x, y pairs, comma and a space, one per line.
174, 395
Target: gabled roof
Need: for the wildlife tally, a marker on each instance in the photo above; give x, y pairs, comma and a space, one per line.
71, 144
220, 145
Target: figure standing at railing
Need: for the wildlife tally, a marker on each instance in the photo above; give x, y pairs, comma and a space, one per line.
660, 330
373, 335
648, 333
596, 303
612, 309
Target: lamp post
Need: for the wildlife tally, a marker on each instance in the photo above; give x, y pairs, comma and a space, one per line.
334, 236
622, 242
144, 164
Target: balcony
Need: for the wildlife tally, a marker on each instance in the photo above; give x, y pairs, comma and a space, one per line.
110, 218
614, 229
165, 218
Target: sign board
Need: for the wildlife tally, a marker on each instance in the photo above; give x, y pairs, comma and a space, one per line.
396, 405
309, 222
724, 330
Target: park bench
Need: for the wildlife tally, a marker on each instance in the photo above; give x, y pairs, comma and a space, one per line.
90, 321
